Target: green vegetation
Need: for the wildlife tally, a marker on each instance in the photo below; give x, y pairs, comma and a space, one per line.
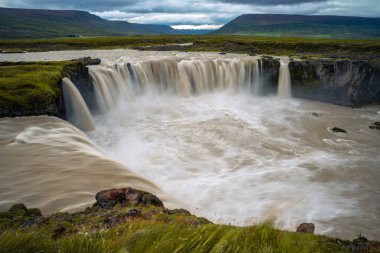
277, 25
29, 86
296, 47
147, 229
29, 23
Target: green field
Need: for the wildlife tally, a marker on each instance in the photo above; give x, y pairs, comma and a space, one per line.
26, 86
340, 48
149, 229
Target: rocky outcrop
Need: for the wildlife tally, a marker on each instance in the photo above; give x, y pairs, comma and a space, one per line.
80, 76
269, 75
308, 228
126, 196
22, 98
344, 82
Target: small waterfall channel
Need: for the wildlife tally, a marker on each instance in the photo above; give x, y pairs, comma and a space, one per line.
76, 109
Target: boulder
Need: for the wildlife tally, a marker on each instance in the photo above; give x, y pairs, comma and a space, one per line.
126, 196
338, 130
375, 125
306, 228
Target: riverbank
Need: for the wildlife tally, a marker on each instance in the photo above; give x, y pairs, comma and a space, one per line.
293, 47
128, 220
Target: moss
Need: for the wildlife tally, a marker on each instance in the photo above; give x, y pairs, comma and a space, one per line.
31, 88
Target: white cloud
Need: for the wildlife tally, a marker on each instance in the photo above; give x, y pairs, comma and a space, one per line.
197, 12
197, 27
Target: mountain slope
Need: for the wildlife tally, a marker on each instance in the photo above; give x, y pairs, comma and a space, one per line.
30, 23
302, 26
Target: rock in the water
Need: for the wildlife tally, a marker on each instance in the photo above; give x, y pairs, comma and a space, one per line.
375, 125
306, 228
126, 196
338, 130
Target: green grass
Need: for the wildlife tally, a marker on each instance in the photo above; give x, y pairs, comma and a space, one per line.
31, 86
239, 44
145, 236
152, 230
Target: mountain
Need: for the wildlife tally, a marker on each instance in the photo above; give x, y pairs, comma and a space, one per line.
193, 31
302, 26
31, 23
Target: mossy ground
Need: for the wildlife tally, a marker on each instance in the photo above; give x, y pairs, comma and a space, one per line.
26, 86
294, 47
146, 229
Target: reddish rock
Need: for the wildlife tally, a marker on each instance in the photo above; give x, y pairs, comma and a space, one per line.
126, 196
306, 228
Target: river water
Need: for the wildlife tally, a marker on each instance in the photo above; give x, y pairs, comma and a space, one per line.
227, 155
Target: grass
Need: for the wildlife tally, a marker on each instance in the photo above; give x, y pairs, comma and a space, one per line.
146, 236
151, 229
31, 86
240, 44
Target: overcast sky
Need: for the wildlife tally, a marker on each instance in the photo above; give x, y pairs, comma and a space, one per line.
206, 14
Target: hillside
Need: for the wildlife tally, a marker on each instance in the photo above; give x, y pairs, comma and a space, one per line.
30, 23
302, 26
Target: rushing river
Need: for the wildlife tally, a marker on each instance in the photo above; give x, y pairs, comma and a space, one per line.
225, 154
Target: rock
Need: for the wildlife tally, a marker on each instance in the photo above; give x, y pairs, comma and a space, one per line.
177, 211
222, 53
271, 70
18, 209
338, 130
359, 245
133, 213
58, 231
33, 222
21, 210
127, 196
375, 125
80, 76
316, 114
306, 228
349, 83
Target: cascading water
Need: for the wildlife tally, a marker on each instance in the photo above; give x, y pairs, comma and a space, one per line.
184, 78
284, 82
227, 156
193, 127
76, 109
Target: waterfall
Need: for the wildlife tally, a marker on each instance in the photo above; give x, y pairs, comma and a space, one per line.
76, 109
284, 82
186, 77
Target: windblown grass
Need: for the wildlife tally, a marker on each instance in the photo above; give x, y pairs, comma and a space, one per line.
151, 237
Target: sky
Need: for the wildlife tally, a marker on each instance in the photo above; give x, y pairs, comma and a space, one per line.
196, 14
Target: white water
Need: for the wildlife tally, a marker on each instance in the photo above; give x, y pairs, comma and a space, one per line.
76, 109
284, 82
195, 128
182, 77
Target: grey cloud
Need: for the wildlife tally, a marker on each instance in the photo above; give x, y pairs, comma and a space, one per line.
271, 2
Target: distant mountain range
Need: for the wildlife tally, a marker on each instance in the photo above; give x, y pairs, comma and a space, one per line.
302, 26
30, 23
